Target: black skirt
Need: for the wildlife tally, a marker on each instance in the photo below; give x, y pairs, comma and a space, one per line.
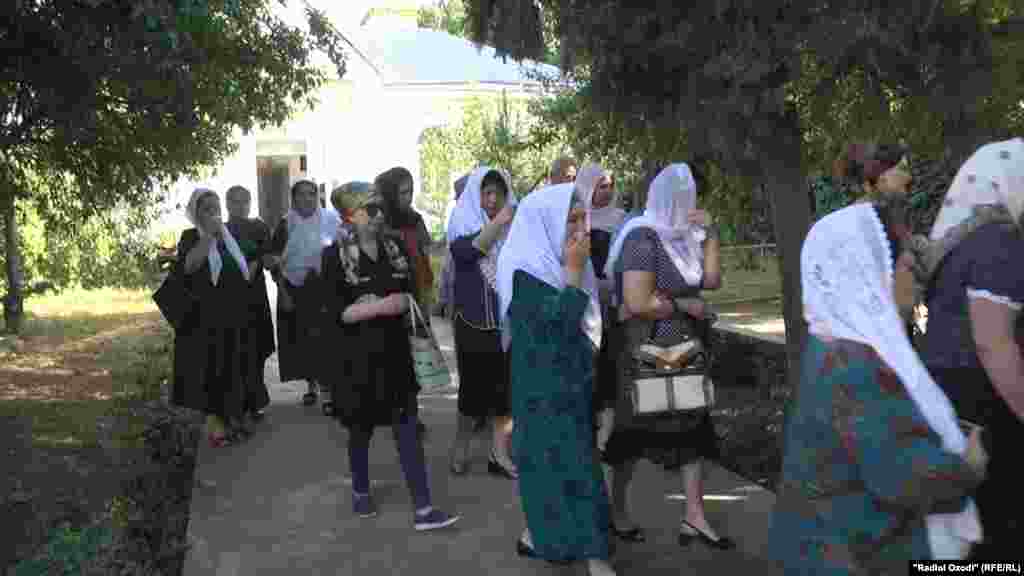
668, 440
214, 369
483, 371
298, 333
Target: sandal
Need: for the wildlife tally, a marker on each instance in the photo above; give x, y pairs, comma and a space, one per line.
309, 398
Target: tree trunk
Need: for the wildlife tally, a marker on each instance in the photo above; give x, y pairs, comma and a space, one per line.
785, 182
13, 300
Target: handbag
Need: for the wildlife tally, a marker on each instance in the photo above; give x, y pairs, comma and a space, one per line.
432, 371
174, 299
671, 380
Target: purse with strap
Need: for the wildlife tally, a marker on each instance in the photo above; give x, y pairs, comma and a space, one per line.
432, 371
671, 380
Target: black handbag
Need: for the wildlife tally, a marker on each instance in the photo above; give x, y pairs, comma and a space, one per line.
685, 386
174, 299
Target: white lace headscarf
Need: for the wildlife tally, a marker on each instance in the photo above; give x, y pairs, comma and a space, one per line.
608, 218
469, 217
847, 280
993, 175
535, 245
307, 238
214, 259
671, 197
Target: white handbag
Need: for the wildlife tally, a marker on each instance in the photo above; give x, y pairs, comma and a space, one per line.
432, 371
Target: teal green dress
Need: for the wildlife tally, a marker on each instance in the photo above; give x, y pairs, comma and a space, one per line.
861, 469
560, 480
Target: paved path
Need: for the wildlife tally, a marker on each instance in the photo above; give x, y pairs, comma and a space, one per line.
280, 504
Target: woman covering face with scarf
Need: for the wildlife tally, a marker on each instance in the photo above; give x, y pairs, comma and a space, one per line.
552, 320
659, 263
971, 278
215, 352
476, 233
295, 263
872, 441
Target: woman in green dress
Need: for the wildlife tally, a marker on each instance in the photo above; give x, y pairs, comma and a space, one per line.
552, 330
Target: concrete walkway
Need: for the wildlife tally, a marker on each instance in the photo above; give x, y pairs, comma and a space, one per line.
280, 504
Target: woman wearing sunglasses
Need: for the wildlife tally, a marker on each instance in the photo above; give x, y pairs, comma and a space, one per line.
368, 282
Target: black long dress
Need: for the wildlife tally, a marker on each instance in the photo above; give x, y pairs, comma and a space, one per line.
376, 383
606, 377
299, 329
253, 237
215, 351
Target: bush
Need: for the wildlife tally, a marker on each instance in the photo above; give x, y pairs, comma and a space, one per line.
107, 251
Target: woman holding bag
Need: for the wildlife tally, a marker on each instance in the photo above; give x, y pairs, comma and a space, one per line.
368, 282
659, 263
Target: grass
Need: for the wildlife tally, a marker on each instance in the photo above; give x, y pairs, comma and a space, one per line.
746, 278
66, 385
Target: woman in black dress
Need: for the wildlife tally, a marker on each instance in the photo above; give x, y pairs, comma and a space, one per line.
367, 281
253, 237
605, 219
660, 262
294, 263
215, 351
476, 232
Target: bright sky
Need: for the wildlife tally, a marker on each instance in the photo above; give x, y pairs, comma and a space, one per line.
350, 12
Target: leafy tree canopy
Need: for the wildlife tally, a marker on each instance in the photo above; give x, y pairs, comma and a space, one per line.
101, 99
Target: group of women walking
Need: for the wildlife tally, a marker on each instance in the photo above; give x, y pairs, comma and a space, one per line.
549, 298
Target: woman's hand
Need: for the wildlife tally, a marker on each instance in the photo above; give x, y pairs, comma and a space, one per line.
577, 252
700, 218
976, 456
284, 299
393, 305
505, 215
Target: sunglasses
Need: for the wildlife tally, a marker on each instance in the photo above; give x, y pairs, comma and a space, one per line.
373, 209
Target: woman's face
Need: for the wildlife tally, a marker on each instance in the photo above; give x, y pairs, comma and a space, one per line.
896, 180
405, 195
369, 217
603, 192
208, 209
305, 200
492, 199
903, 283
239, 202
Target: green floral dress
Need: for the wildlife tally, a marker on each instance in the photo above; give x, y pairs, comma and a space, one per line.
861, 469
560, 480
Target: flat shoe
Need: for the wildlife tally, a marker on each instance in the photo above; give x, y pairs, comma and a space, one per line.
722, 543
496, 469
525, 551
635, 534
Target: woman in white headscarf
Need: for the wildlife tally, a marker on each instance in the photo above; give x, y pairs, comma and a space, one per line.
605, 220
973, 284
215, 351
298, 243
876, 470
659, 264
476, 233
552, 330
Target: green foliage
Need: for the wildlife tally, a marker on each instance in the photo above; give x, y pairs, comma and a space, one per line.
67, 551
141, 93
105, 250
490, 132
444, 15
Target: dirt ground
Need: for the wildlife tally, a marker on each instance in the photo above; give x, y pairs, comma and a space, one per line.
56, 396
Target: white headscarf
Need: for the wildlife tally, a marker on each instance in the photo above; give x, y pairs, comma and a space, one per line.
469, 217
608, 218
671, 197
847, 280
307, 237
535, 245
216, 264
994, 174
